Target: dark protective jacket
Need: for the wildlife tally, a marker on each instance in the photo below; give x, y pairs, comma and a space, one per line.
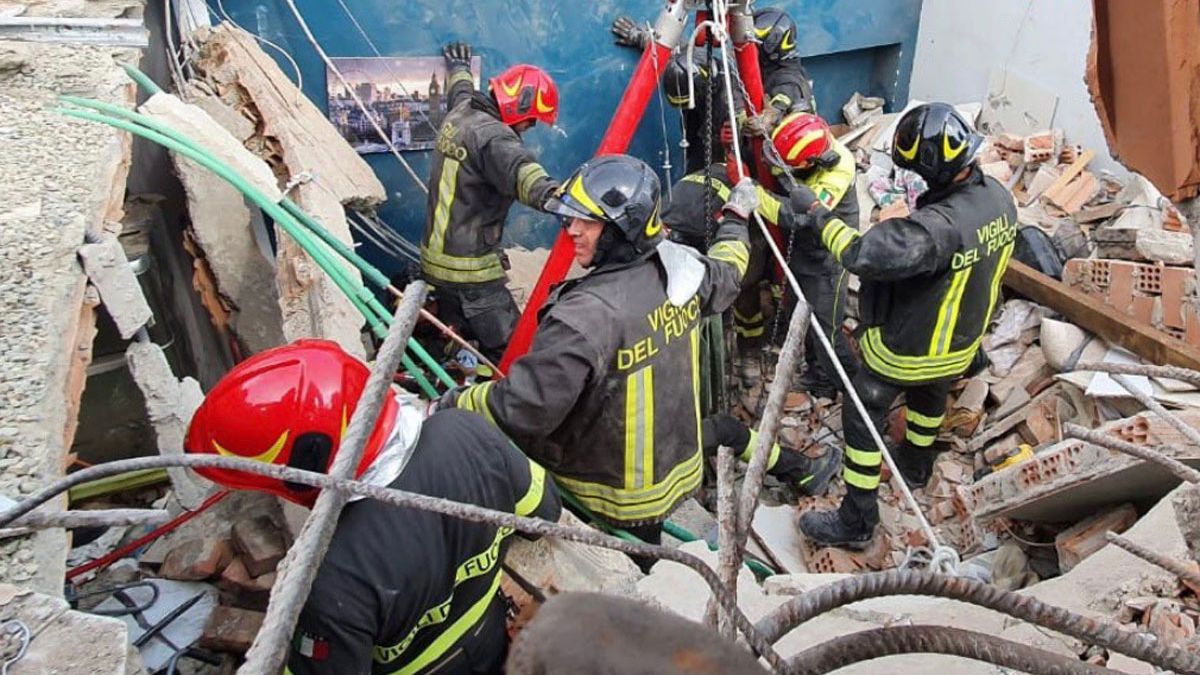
408, 591
693, 127
607, 399
786, 86
835, 188
931, 280
480, 167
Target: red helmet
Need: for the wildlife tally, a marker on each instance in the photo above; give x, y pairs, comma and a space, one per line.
801, 138
523, 93
289, 406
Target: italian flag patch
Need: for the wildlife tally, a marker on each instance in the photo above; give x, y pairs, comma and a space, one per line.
311, 646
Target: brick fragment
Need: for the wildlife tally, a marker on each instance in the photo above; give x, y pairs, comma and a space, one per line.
1088, 536
230, 629
260, 544
197, 559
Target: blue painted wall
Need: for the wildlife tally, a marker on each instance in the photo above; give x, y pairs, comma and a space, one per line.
848, 45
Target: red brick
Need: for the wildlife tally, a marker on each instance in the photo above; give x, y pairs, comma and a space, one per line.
1143, 309
230, 629
1120, 289
243, 590
260, 543
1088, 535
197, 559
1192, 334
1174, 296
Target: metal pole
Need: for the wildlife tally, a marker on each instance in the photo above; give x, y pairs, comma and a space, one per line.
727, 565
299, 567
96, 518
1184, 472
1171, 372
1155, 558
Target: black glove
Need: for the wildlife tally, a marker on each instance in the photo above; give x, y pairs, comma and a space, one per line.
743, 200
457, 55
448, 400
629, 34
803, 199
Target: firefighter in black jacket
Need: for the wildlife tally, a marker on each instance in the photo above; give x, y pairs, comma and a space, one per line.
400, 590
930, 283
608, 397
786, 85
479, 169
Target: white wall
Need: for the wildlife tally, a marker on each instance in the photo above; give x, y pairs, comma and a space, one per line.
1045, 42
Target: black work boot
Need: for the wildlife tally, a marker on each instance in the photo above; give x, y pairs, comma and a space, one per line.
809, 475
915, 464
848, 527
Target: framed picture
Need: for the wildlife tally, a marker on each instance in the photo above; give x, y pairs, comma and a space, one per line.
405, 95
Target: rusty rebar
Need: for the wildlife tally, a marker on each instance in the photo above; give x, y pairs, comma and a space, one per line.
298, 569
1171, 372
1176, 467
85, 518
727, 557
1157, 408
1155, 558
401, 498
876, 643
1105, 634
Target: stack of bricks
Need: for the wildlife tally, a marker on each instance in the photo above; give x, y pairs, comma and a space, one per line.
1156, 295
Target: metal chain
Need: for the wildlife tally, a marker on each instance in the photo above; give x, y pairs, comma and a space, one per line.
709, 113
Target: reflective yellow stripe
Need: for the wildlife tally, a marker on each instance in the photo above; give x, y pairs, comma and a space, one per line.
460, 76
454, 633
805, 141
749, 331
864, 457
919, 439
733, 252
831, 230
837, 235
698, 179
694, 343
441, 213
784, 122
768, 205
923, 420
883, 361
527, 176
830, 185
947, 318
537, 488
738, 316
677, 101
996, 278
435, 262
783, 99
860, 480
639, 429
748, 453
475, 399
652, 502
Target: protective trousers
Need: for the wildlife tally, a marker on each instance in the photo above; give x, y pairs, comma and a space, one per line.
748, 321
926, 407
826, 292
483, 312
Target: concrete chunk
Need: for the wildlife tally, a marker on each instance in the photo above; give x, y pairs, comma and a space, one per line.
109, 271
230, 629
260, 544
554, 564
1087, 536
197, 559
66, 641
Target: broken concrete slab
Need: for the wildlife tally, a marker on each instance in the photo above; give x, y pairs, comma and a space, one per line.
65, 641
107, 268
777, 527
558, 565
1071, 479
1171, 248
170, 404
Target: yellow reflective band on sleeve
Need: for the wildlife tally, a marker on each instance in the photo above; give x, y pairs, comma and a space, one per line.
537, 488
768, 205
749, 331
460, 76
926, 421
678, 101
860, 480
475, 399
733, 252
748, 453
528, 176
742, 318
864, 457
781, 101
837, 236
996, 279
947, 317
919, 439
639, 428
454, 633
831, 230
698, 179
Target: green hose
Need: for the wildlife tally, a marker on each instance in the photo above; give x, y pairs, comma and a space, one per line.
364, 300
361, 300
142, 79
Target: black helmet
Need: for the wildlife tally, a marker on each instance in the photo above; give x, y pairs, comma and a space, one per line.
935, 142
675, 77
777, 33
623, 193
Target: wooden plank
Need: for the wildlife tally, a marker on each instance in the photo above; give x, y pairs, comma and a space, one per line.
1069, 175
1094, 316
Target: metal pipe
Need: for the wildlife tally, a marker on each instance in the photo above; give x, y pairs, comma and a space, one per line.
871, 644
1184, 472
1169, 564
727, 557
296, 572
94, 518
1107, 634
1171, 372
411, 500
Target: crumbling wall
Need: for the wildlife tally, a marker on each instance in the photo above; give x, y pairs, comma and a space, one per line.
58, 177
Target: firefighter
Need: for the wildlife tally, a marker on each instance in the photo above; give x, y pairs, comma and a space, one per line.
399, 590
929, 285
608, 397
822, 166
786, 85
684, 218
675, 86
479, 168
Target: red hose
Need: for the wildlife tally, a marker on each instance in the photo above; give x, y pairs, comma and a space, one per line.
110, 558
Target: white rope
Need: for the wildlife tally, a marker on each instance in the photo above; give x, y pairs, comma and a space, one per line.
945, 558
387, 139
